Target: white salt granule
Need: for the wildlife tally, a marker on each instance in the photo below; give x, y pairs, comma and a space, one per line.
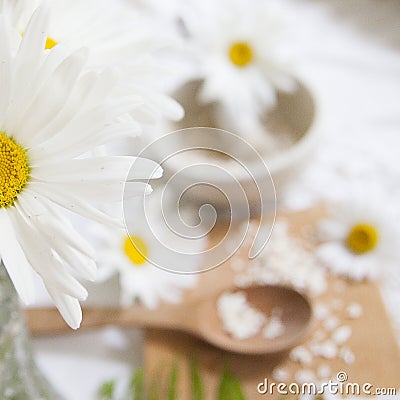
304, 376
341, 334
327, 349
280, 374
238, 318
243, 281
331, 323
354, 311
324, 371
347, 355
237, 264
284, 261
274, 326
302, 355
321, 311
319, 335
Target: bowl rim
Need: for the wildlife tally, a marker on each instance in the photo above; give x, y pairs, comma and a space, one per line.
278, 163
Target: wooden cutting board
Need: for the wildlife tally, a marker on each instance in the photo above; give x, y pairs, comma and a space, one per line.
373, 343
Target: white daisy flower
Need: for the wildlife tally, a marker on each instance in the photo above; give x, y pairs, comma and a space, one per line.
169, 11
145, 259
241, 56
359, 241
117, 37
50, 115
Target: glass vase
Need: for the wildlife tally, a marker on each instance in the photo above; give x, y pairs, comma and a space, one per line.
20, 378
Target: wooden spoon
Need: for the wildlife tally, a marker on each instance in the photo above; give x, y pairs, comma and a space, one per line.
198, 318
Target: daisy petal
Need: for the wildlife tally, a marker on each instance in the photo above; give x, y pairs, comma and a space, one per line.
14, 259
5, 70
92, 87
106, 81
83, 132
171, 108
34, 207
106, 168
143, 168
60, 238
32, 46
68, 307
70, 201
51, 98
75, 104
335, 257
46, 264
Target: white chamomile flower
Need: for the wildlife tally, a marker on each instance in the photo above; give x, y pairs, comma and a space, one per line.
169, 11
145, 259
240, 55
359, 241
51, 115
117, 36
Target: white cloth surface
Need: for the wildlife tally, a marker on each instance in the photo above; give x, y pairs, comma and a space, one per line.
77, 364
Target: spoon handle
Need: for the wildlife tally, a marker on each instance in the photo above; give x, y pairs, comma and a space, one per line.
47, 320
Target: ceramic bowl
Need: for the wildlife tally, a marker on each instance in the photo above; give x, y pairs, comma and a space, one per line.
208, 165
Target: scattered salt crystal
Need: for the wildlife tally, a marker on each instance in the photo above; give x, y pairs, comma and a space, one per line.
237, 264
324, 371
331, 323
321, 311
238, 317
280, 374
242, 281
256, 263
286, 261
302, 355
273, 328
341, 334
354, 310
347, 355
304, 376
327, 349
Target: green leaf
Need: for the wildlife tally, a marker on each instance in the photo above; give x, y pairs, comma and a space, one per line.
229, 387
197, 383
137, 385
155, 387
107, 390
173, 383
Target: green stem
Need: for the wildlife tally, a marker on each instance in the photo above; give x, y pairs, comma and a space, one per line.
20, 378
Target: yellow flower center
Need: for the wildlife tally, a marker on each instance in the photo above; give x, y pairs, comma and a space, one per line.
14, 170
241, 54
362, 238
136, 249
50, 43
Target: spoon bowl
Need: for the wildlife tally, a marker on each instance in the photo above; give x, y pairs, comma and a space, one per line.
295, 316
199, 318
